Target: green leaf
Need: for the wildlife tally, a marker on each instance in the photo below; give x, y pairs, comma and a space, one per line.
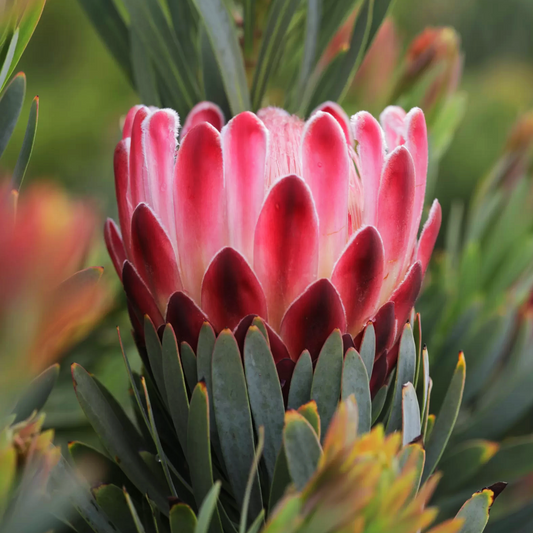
411, 428
513, 461
143, 71
417, 334
199, 450
475, 512
405, 372
264, 391
254, 473
312, 30
280, 15
182, 519
413, 454
257, 523
115, 438
223, 37
212, 82
27, 147
155, 357
157, 441
423, 383
463, 462
282, 479
166, 52
355, 381
135, 389
249, 26
208, 509
112, 29
301, 447
190, 367
37, 393
136, 520
185, 24
11, 102
111, 499
301, 382
26, 26
368, 348
378, 402
310, 412
326, 388
8, 61
177, 398
233, 418
446, 418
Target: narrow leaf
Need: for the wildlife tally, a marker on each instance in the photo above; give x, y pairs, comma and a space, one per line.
177, 399
114, 437
199, 450
446, 418
301, 382
411, 428
264, 391
233, 418
207, 509
326, 388
301, 447
223, 36
355, 381
112, 29
27, 147
10, 107
405, 372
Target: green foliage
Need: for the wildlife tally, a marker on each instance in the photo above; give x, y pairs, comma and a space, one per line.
210, 49
226, 446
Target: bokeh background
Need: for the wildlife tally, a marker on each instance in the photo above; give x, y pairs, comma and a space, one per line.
84, 92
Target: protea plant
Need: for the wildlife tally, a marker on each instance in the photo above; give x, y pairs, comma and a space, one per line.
277, 218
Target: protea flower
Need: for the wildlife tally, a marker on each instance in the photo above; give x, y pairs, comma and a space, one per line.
311, 226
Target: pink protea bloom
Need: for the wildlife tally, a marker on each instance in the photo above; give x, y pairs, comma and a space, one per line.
310, 225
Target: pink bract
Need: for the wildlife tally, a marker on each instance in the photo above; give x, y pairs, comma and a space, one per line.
310, 225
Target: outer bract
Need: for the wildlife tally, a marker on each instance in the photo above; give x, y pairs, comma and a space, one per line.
310, 225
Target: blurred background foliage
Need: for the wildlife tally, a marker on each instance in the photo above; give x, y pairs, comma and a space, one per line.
84, 92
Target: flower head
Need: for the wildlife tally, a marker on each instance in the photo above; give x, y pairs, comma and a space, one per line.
310, 225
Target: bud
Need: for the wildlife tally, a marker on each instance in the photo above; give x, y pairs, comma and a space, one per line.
434, 59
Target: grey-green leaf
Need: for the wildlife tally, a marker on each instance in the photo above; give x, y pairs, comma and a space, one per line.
326, 388
301, 382
446, 418
302, 448
264, 391
177, 398
223, 36
27, 146
233, 418
10, 107
405, 372
199, 450
116, 440
355, 381
411, 428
